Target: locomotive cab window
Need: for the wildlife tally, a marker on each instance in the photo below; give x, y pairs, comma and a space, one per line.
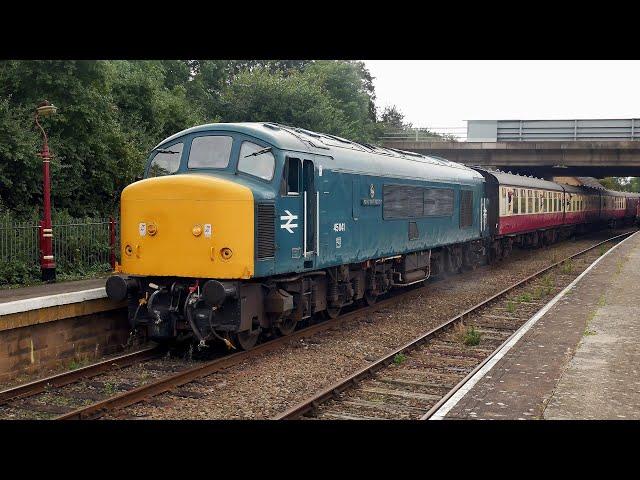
166, 161
291, 177
256, 160
211, 151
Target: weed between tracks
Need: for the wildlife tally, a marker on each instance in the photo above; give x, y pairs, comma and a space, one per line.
466, 335
567, 267
399, 358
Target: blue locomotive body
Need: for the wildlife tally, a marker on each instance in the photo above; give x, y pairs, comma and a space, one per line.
255, 227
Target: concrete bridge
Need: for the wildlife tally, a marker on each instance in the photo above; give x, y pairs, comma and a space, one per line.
544, 148
541, 159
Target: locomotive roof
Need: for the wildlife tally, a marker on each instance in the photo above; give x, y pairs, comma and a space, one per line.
353, 156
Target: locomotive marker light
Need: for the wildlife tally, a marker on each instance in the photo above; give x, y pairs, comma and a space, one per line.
47, 261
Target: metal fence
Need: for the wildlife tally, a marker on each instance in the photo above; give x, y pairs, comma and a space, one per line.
80, 245
84, 244
18, 241
434, 134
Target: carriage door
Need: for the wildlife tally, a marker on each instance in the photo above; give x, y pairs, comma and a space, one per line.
310, 211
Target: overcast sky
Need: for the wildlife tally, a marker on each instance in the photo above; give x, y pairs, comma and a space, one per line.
445, 93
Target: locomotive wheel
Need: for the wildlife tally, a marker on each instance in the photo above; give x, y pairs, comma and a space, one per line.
286, 327
245, 340
370, 298
332, 312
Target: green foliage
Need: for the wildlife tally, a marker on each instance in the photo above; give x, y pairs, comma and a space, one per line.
567, 267
111, 113
392, 119
14, 272
472, 337
327, 96
82, 249
621, 184
399, 358
525, 297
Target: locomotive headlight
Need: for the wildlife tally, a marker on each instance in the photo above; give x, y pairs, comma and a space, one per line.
128, 250
152, 229
226, 253
197, 230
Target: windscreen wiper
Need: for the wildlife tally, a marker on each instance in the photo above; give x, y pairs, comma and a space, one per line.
259, 152
164, 150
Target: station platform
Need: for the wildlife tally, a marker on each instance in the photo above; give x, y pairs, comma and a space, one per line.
52, 301
44, 324
578, 358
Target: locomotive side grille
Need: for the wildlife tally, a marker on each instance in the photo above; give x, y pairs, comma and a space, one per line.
265, 230
466, 208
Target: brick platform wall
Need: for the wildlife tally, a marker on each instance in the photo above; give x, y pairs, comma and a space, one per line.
39, 347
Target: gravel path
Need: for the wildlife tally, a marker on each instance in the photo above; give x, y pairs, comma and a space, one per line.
270, 383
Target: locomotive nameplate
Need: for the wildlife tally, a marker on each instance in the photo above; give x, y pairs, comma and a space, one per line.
371, 202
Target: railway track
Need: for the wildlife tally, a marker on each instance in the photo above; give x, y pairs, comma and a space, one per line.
413, 381
78, 394
142, 375
22, 397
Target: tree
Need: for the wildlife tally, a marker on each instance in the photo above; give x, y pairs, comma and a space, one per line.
621, 184
393, 119
111, 113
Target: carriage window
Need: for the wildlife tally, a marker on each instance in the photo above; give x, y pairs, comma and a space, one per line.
291, 179
529, 201
256, 160
516, 201
212, 151
166, 161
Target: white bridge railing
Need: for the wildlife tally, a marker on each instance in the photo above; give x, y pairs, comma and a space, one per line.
429, 134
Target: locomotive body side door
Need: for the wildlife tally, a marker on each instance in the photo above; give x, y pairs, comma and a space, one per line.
296, 222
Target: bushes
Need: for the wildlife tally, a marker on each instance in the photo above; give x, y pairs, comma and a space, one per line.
81, 248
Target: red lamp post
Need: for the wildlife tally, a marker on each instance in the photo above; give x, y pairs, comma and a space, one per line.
47, 261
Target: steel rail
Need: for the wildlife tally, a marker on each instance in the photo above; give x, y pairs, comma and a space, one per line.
61, 379
171, 382
330, 392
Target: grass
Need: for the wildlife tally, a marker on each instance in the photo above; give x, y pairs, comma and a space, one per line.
567, 267
472, 337
399, 358
109, 388
588, 332
602, 301
525, 297
511, 307
467, 335
79, 361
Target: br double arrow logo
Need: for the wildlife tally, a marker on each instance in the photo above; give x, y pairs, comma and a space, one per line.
289, 217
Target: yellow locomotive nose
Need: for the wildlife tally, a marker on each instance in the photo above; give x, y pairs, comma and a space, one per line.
186, 225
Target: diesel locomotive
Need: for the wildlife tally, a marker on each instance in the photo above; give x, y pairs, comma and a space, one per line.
244, 229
